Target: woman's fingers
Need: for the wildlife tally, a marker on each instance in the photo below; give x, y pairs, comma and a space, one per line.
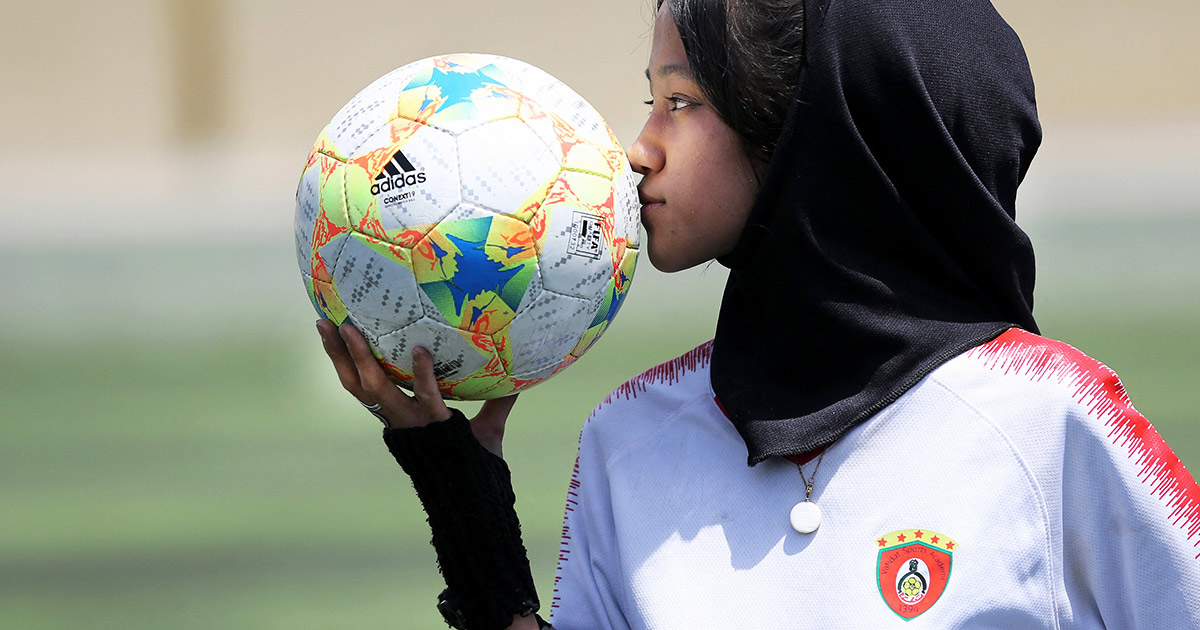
425, 388
488, 424
343, 363
398, 409
370, 374
494, 412
362, 376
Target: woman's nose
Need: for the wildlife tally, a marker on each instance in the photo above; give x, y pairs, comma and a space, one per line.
645, 154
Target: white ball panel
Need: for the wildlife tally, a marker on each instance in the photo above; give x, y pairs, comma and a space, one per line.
627, 208
532, 291
332, 250
503, 163
453, 356
380, 293
552, 95
370, 109
308, 208
548, 329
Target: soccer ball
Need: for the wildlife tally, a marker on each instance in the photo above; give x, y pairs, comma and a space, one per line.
476, 206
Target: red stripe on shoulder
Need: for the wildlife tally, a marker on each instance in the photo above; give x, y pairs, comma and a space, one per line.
564, 545
669, 372
1100, 390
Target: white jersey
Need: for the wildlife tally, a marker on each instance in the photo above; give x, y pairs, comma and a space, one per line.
1013, 487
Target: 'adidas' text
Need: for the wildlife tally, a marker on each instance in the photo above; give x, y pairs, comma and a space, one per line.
396, 174
396, 182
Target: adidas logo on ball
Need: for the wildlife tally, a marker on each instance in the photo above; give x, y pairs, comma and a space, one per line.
397, 174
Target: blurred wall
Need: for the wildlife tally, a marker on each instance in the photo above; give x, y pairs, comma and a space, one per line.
170, 115
107, 75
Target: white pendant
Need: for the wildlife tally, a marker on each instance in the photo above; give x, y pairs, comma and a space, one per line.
806, 517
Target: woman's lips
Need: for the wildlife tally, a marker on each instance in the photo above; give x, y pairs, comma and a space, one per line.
651, 206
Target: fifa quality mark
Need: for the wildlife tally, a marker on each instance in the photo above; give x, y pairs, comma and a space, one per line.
587, 238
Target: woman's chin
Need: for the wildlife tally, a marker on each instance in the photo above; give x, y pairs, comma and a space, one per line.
668, 262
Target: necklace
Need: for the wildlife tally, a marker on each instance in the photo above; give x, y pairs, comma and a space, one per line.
806, 516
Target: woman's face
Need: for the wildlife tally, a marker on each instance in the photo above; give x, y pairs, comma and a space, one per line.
698, 184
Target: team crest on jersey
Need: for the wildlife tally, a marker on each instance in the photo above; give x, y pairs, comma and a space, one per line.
913, 569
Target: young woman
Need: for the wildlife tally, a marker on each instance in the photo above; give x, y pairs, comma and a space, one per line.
917, 450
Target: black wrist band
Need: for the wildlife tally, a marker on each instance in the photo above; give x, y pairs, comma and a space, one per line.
467, 492
452, 613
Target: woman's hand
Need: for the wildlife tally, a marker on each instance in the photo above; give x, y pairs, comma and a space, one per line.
365, 379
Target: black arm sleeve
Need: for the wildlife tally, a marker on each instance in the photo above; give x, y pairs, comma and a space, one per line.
467, 493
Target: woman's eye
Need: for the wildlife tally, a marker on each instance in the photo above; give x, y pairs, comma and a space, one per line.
678, 102
674, 103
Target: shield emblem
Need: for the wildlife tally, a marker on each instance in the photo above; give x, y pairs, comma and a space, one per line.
913, 569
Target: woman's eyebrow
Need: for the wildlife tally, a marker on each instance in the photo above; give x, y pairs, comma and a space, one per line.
670, 69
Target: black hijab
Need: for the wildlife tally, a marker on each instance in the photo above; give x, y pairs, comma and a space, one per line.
882, 242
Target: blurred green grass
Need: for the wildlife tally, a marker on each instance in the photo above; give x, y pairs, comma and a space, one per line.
176, 453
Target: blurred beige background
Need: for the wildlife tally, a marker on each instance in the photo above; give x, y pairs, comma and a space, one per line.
175, 451
169, 119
